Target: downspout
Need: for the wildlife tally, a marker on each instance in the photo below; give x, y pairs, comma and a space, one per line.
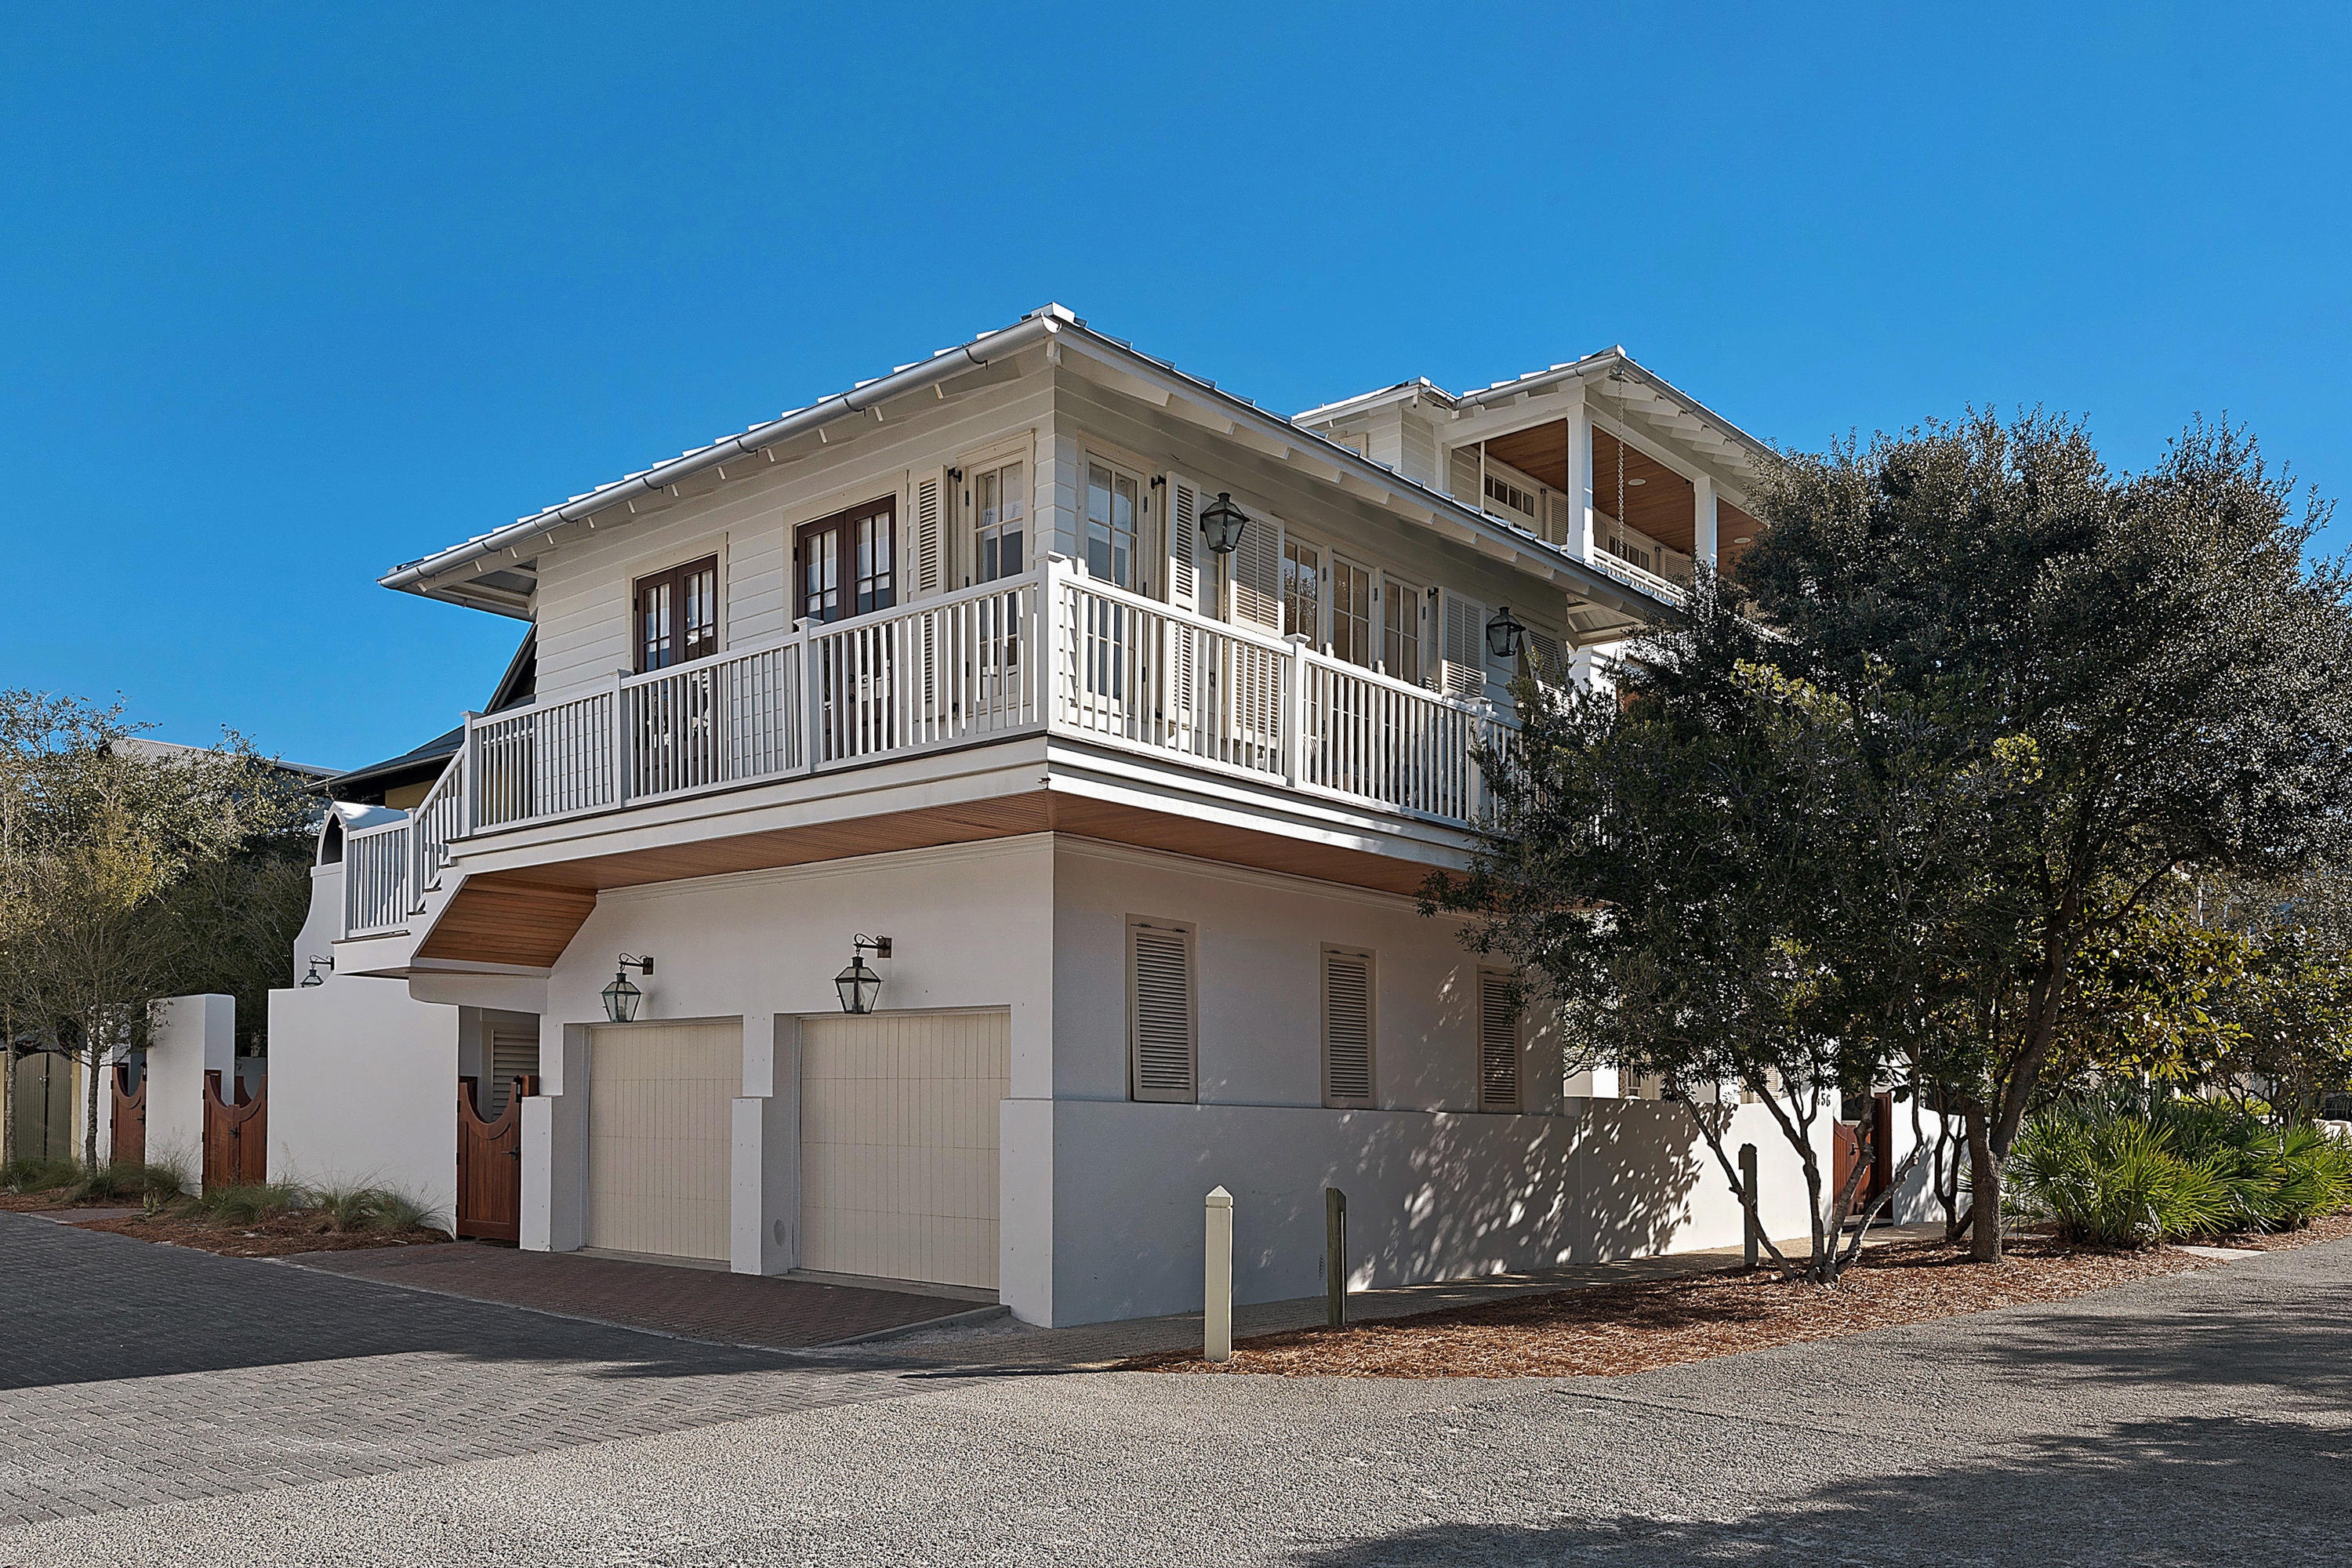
1022, 334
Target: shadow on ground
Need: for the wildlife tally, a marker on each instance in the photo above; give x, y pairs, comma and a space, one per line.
2202, 1491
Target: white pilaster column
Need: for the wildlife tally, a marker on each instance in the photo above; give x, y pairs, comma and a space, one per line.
1703, 535
1580, 477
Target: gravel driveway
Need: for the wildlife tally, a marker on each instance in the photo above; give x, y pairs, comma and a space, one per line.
2203, 1419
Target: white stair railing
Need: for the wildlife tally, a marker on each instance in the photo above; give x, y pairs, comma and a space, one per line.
377, 865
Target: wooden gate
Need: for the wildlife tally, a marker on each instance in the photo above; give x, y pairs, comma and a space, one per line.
489, 1163
236, 1137
129, 1119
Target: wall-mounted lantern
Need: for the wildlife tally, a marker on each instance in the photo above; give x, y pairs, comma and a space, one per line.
314, 978
1222, 523
858, 985
1504, 634
620, 998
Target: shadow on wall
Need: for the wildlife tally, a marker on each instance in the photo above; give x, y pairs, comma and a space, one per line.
1430, 1196
2150, 1491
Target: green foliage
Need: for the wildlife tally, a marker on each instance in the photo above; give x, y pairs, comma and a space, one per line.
2120, 1170
113, 1183
33, 1175
251, 1204
366, 1208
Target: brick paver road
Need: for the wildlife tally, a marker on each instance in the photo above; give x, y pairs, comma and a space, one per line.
132, 1372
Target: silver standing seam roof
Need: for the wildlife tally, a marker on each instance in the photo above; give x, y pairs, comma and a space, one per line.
418, 576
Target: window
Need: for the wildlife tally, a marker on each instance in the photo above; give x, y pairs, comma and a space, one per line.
1114, 501
1347, 1026
676, 614
1498, 1041
1302, 590
848, 564
1161, 1023
1400, 629
999, 511
1351, 613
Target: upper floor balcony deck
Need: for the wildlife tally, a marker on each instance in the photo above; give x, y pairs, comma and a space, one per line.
1048, 701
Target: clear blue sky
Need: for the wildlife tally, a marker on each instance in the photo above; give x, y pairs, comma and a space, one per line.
289, 294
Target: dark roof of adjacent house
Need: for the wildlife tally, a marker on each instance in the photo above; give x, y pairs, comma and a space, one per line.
423, 764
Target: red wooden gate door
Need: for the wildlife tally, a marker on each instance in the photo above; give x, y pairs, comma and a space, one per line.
236, 1137
489, 1164
130, 1119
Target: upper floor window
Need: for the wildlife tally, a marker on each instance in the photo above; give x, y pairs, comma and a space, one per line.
676, 614
1302, 589
846, 565
1113, 502
1352, 596
1400, 629
999, 511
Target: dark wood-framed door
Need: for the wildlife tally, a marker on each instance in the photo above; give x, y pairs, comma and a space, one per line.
844, 566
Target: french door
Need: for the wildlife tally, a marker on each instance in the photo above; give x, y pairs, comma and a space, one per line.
844, 566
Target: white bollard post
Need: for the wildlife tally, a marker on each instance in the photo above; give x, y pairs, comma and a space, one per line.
1217, 1279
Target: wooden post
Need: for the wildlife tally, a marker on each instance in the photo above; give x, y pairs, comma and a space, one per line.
1217, 1279
1335, 1256
1747, 1200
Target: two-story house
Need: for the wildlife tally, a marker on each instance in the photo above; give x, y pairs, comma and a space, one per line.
938, 834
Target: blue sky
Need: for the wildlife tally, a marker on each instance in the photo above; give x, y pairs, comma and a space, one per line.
291, 294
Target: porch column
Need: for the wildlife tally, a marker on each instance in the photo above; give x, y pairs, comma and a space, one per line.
1578, 542
554, 1148
1703, 532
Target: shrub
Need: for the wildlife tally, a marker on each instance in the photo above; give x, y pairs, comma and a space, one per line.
2123, 1171
36, 1175
366, 1208
149, 1184
251, 1204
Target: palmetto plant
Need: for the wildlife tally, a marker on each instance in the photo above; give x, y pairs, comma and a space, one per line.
2124, 1171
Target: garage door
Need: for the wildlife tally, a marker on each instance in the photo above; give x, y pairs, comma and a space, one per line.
898, 1120
660, 1135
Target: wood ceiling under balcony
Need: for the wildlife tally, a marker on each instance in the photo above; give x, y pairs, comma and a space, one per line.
1659, 502
529, 917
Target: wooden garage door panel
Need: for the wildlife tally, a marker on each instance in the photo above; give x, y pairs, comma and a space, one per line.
661, 1138
899, 1131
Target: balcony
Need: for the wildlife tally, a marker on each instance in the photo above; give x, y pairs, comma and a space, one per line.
1054, 655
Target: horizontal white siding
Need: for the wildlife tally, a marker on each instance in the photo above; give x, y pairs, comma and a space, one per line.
582, 605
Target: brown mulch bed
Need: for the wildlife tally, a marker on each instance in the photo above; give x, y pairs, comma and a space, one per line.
31, 1202
281, 1236
1609, 1330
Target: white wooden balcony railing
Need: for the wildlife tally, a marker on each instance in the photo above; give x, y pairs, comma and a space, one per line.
1053, 651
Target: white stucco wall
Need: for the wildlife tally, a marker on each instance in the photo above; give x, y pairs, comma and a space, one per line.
362, 1090
1431, 1195
192, 1035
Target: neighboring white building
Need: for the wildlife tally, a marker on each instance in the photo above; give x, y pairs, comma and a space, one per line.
948, 661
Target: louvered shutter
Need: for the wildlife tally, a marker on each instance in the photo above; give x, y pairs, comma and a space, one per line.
514, 1053
1257, 575
1183, 542
1347, 1027
1160, 1034
1556, 517
927, 534
1498, 1042
1550, 659
1462, 645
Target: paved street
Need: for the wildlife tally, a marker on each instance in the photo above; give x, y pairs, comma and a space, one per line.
2204, 1418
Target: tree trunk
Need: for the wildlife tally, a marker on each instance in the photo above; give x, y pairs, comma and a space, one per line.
93, 1060
8, 1101
1984, 1189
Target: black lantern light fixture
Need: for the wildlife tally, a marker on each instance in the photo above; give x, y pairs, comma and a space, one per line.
1221, 524
1504, 634
858, 985
314, 978
620, 998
